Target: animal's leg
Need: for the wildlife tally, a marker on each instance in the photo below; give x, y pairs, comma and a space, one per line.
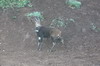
52, 46
62, 41
39, 43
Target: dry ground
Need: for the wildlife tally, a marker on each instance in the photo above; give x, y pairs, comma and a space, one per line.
18, 46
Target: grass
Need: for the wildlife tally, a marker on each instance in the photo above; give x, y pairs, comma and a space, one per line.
95, 28
60, 22
35, 14
14, 3
73, 3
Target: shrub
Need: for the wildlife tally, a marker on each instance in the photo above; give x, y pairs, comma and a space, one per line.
58, 22
74, 3
13, 3
35, 14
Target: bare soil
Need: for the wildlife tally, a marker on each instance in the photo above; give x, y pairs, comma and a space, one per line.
18, 44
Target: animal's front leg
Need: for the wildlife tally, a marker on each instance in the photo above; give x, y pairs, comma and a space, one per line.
39, 46
39, 43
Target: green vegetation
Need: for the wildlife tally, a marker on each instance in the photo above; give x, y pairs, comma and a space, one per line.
13, 3
73, 3
70, 20
60, 22
14, 17
35, 14
94, 27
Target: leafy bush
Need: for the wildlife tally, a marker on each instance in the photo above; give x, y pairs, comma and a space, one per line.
58, 22
74, 3
35, 14
95, 28
13, 3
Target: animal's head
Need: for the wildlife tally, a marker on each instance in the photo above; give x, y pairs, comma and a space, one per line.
60, 40
56, 35
37, 21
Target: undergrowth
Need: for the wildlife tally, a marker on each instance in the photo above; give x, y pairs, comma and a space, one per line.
94, 28
31, 15
73, 3
14, 3
60, 22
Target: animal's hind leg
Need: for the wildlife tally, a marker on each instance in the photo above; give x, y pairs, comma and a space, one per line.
62, 40
52, 46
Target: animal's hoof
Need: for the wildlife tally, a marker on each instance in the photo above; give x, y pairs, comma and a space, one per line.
39, 49
52, 50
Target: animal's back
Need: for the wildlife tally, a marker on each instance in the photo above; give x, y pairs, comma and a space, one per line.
55, 32
44, 32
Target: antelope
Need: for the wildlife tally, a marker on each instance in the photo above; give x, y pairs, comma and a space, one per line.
47, 32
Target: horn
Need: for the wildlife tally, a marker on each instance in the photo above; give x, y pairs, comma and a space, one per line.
37, 19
